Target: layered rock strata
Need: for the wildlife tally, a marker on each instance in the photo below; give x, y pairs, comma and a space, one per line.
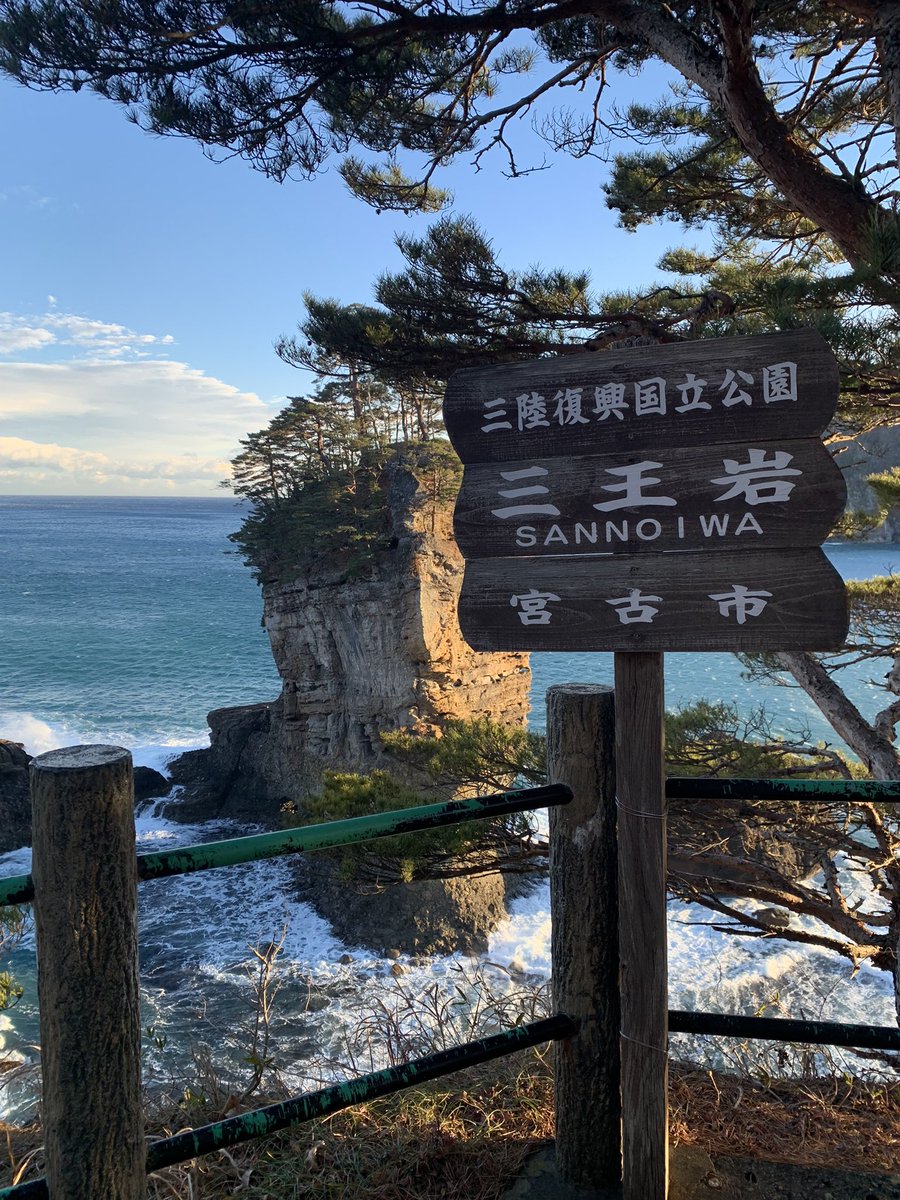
361, 650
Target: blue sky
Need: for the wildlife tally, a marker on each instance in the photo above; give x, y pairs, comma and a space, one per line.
142, 286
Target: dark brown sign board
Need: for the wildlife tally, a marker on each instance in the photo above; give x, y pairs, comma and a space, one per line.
780, 385
660, 468
715, 497
736, 600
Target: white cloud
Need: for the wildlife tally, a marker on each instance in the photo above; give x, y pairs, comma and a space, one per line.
93, 407
132, 398
46, 461
18, 453
41, 392
84, 337
119, 427
14, 339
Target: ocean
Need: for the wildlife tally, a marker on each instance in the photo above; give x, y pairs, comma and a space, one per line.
127, 620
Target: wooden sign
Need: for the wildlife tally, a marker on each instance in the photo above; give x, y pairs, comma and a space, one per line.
736, 600
659, 498
780, 385
718, 497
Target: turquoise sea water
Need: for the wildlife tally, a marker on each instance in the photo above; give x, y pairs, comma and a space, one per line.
125, 621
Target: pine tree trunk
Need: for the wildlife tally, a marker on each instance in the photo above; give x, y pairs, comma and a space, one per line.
881, 759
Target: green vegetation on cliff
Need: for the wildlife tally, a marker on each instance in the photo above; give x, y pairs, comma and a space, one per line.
790, 859
425, 854
318, 476
480, 756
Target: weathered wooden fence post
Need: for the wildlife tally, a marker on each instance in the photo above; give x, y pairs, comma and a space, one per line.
85, 878
642, 923
584, 906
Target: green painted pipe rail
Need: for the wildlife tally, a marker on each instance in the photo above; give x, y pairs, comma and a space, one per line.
880, 791
780, 1029
19, 889
16, 889
264, 1121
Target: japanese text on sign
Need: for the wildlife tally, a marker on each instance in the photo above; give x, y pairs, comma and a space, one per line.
739, 603
759, 480
576, 406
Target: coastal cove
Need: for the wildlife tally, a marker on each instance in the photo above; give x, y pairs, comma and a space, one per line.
127, 620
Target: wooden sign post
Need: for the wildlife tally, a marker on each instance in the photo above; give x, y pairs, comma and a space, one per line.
664, 498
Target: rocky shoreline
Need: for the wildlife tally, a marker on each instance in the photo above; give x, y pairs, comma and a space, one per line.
15, 795
432, 916
361, 651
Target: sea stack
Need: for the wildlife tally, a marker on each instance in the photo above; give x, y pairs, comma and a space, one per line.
362, 648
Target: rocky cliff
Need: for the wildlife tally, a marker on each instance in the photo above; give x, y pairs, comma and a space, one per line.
361, 649
15, 797
870, 454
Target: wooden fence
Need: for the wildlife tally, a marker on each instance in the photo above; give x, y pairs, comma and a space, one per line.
610, 1041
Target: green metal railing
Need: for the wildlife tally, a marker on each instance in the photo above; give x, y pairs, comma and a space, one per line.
210, 855
313, 1105
819, 791
263, 1121
782, 1029
19, 889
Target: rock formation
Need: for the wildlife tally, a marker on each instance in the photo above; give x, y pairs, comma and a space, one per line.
149, 784
428, 916
15, 797
15, 794
360, 651
870, 454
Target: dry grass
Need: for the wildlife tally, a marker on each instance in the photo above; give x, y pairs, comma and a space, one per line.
468, 1137
811, 1123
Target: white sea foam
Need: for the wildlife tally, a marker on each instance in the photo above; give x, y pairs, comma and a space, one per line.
523, 938
35, 735
39, 736
723, 972
198, 932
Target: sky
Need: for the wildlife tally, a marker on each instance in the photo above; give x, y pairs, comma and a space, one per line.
142, 286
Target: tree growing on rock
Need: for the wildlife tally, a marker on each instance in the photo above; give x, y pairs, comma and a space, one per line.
824, 875
314, 475
455, 305
783, 127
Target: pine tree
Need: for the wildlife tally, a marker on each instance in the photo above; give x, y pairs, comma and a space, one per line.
314, 475
785, 123
454, 305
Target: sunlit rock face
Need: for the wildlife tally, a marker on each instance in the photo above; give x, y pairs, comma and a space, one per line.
361, 654
362, 649
871, 454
